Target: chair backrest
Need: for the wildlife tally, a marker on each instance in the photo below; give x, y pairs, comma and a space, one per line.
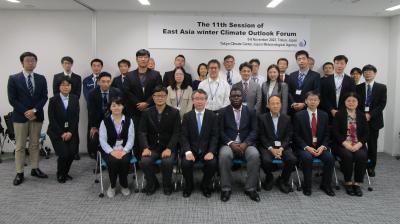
9, 125
1, 128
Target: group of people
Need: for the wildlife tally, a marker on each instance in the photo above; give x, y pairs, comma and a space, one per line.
223, 115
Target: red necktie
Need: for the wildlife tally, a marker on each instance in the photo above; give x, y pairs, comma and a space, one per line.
314, 127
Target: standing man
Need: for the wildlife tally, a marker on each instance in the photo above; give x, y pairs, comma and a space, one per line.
118, 82
229, 73
283, 65
27, 94
90, 82
169, 77
328, 69
255, 76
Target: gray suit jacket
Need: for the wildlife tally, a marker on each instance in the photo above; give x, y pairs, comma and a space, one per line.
282, 92
253, 96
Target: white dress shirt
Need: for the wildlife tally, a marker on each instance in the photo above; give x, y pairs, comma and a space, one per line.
218, 93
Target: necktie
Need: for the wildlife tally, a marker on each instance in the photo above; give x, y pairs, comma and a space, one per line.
105, 101
199, 122
314, 127
245, 91
369, 93
122, 79
94, 81
255, 79
300, 80
30, 85
228, 77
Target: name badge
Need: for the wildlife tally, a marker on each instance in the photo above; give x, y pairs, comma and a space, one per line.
66, 125
314, 139
298, 92
118, 143
366, 109
277, 144
178, 108
244, 103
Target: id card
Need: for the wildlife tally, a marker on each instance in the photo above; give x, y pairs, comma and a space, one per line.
366, 109
298, 92
314, 139
66, 125
277, 144
118, 143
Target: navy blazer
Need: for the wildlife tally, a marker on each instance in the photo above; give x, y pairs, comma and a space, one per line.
311, 82
88, 85
302, 129
22, 101
266, 131
247, 130
76, 84
96, 113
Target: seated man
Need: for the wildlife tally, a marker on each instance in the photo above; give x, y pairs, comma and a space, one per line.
159, 132
238, 135
275, 134
199, 142
311, 139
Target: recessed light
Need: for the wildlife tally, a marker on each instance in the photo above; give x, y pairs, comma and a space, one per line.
144, 2
14, 1
393, 8
274, 3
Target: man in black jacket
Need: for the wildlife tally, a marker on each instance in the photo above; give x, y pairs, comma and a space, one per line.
169, 77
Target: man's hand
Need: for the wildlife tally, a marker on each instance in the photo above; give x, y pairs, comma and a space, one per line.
209, 156
93, 131
333, 112
235, 148
368, 116
166, 153
142, 106
298, 106
30, 115
243, 146
319, 151
146, 152
311, 150
277, 152
190, 157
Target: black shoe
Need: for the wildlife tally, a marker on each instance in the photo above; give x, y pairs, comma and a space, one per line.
187, 193
371, 172
38, 173
77, 157
61, 179
307, 191
225, 195
268, 184
167, 190
283, 186
151, 189
253, 195
68, 177
206, 192
328, 190
357, 191
349, 189
19, 178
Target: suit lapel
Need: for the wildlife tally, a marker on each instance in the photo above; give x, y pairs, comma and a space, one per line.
308, 124
22, 80
319, 127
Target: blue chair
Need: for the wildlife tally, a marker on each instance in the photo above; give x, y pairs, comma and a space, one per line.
318, 162
102, 164
280, 162
366, 172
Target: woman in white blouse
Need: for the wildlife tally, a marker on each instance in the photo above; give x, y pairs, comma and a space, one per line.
274, 87
180, 94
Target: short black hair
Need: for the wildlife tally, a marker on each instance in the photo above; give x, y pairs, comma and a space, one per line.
96, 60
160, 88
301, 52
245, 64
200, 91
229, 57
351, 94
104, 74
117, 100
198, 67
282, 59
236, 89
27, 54
369, 67
64, 78
180, 56
280, 99
327, 63
124, 61
142, 52
214, 61
355, 69
340, 58
68, 59
312, 93
255, 60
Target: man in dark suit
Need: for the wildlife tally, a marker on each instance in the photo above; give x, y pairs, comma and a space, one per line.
283, 65
63, 114
275, 135
76, 80
373, 97
169, 77
99, 99
90, 82
159, 132
238, 136
311, 139
335, 87
118, 82
27, 94
199, 142
76, 85
300, 82
327, 67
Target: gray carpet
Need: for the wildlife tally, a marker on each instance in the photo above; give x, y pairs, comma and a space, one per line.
77, 201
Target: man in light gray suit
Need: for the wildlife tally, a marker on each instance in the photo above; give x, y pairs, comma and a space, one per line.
251, 90
274, 87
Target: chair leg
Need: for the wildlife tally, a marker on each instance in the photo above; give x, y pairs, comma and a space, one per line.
142, 188
96, 179
136, 190
336, 179
369, 181
101, 177
298, 179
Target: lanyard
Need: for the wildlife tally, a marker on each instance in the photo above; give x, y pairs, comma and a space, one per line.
179, 99
216, 90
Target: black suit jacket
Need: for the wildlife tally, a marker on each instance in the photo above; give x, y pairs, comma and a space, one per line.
311, 82
21, 100
117, 83
266, 131
58, 116
339, 129
328, 92
247, 130
159, 135
302, 129
76, 84
96, 113
207, 140
378, 103
134, 93
170, 76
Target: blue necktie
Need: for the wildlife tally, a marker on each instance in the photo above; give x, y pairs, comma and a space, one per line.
228, 78
199, 122
30, 85
369, 93
105, 101
300, 80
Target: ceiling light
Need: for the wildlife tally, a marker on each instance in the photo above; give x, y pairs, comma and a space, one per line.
14, 1
274, 3
393, 8
144, 2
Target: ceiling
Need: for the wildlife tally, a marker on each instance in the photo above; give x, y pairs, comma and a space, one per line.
293, 7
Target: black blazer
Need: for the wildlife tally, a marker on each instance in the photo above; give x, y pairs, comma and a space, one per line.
378, 104
311, 82
170, 76
328, 92
117, 83
339, 129
302, 129
58, 116
133, 91
207, 141
159, 135
266, 131
96, 113
76, 84
227, 125
21, 100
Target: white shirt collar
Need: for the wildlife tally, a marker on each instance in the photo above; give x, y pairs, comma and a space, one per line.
202, 112
371, 83
211, 80
240, 109
26, 74
64, 97
273, 115
336, 75
243, 81
68, 74
305, 72
310, 112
